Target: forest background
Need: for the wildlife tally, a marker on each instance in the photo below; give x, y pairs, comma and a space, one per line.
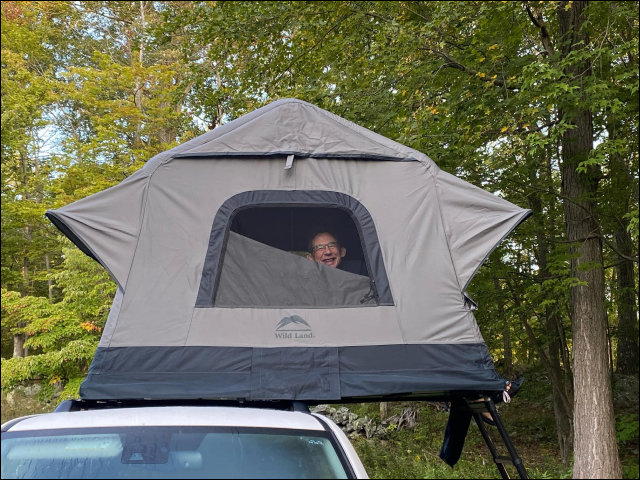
534, 101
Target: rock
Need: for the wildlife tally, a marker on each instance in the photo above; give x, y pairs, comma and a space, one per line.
409, 418
30, 390
391, 421
370, 428
352, 417
321, 409
381, 432
354, 436
342, 415
359, 424
350, 428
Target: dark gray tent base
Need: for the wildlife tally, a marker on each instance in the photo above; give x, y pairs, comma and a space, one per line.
312, 374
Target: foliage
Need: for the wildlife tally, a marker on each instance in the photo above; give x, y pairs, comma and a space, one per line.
62, 336
628, 427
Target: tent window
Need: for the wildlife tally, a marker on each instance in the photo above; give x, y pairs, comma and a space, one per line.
266, 260
258, 247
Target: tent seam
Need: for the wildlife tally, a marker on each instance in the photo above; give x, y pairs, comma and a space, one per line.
323, 112
173, 155
133, 257
186, 338
446, 233
319, 110
472, 323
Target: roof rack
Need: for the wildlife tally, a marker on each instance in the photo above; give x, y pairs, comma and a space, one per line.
83, 405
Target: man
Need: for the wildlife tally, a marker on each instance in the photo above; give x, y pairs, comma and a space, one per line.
325, 248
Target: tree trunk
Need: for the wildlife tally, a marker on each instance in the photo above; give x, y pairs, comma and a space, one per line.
48, 265
596, 450
627, 353
508, 351
563, 416
384, 411
506, 331
562, 410
138, 81
18, 345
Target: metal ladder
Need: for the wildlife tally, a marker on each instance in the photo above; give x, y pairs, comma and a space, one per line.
477, 408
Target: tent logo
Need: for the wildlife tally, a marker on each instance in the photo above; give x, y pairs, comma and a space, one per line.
293, 327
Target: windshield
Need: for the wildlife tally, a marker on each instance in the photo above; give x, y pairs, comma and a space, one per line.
170, 452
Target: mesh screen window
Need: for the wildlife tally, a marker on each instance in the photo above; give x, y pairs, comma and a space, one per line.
266, 260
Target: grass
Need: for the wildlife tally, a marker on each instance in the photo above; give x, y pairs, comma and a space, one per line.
414, 454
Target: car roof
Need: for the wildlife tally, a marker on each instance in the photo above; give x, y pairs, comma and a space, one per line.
171, 416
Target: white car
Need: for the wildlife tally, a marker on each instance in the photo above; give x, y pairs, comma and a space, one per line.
178, 442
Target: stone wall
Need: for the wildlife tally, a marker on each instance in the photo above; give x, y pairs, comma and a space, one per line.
355, 426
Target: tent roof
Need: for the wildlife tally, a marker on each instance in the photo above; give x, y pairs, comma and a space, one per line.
292, 127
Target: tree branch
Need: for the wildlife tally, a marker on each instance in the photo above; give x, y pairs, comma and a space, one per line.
556, 382
526, 130
618, 252
544, 33
453, 63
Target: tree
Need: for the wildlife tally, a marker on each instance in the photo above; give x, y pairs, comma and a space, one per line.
596, 450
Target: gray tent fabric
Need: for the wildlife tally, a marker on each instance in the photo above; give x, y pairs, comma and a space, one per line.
106, 225
257, 275
153, 233
474, 220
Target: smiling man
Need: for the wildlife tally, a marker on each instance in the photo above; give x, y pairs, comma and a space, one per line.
325, 248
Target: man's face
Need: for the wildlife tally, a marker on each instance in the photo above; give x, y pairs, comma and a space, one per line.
326, 250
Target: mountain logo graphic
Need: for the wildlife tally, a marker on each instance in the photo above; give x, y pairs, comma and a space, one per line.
294, 323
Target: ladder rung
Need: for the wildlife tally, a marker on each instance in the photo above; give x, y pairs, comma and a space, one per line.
503, 460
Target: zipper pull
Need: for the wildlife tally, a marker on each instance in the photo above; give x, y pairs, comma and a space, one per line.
289, 163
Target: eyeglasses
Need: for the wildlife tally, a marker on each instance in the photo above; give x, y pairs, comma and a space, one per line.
330, 246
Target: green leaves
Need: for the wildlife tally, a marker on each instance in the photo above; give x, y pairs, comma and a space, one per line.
54, 366
61, 337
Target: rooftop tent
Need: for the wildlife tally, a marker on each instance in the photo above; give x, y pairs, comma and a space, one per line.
216, 298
